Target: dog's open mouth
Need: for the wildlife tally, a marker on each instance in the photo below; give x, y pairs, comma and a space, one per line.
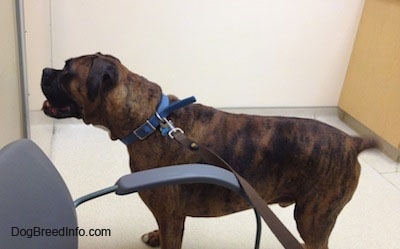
64, 111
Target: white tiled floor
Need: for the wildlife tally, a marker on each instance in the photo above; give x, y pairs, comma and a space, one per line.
370, 220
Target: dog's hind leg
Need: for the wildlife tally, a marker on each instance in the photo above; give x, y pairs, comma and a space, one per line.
316, 212
314, 224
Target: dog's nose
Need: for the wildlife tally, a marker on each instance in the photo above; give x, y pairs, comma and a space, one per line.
48, 76
47, 72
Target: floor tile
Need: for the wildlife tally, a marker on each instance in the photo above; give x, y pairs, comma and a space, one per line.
393, 178
379, 161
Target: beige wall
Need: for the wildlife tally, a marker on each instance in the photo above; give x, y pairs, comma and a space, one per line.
226, 53
11, 124
38, 46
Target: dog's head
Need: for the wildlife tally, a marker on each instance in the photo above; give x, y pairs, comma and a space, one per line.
98, 89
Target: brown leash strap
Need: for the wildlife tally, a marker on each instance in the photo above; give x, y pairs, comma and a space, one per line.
276, 226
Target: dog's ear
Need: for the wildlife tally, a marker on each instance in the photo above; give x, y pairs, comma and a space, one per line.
102, 76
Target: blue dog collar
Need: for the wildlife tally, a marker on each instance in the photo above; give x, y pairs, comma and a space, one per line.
151, 124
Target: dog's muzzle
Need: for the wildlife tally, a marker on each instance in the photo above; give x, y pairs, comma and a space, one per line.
58, 104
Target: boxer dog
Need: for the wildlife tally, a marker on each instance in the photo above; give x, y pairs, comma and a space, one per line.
287, 160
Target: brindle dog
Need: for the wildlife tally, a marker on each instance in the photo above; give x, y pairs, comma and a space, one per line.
287, 160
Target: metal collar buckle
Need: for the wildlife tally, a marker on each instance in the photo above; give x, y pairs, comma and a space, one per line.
145, 130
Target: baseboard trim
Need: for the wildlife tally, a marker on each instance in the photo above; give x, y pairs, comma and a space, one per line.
391, 151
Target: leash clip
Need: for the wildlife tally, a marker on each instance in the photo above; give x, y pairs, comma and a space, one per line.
173, 131
167, 127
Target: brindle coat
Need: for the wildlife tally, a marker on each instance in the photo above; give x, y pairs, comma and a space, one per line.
287, 160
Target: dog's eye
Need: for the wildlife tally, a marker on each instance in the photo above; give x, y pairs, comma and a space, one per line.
66, 75
67, 66
65, 78
64, 82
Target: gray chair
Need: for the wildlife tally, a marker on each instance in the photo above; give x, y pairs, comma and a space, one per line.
33, 196
35, 204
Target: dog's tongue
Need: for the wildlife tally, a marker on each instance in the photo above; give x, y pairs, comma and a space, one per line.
53, 111
46, 104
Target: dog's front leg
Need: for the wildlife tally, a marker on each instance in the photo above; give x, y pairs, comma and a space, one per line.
168, 211
171, 232
169, 235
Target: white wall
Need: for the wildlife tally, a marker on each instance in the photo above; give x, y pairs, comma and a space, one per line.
227, 53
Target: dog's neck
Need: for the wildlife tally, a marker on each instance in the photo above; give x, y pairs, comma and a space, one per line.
157, 120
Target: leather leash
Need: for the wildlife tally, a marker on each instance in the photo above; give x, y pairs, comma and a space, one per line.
281, 232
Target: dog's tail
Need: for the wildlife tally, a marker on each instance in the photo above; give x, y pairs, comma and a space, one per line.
363, 143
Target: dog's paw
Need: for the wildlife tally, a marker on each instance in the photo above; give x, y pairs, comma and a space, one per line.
152, 239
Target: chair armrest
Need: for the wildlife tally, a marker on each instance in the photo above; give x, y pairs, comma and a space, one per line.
178, 174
